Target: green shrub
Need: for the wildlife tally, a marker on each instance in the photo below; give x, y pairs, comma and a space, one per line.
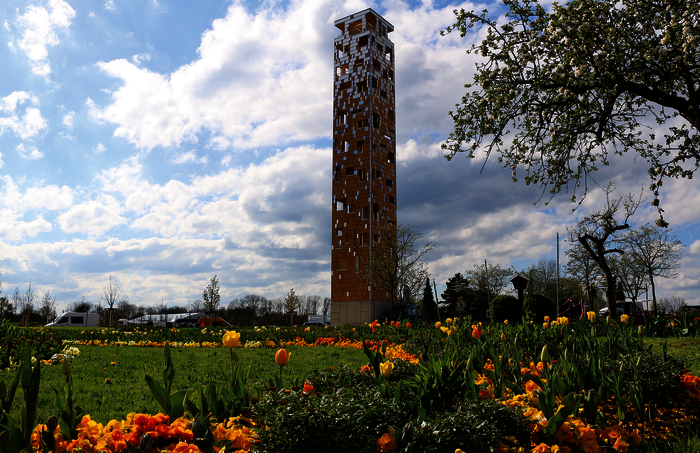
475, 426
540, 306
506, 307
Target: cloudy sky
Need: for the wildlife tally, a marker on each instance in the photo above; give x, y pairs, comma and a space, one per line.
165, 141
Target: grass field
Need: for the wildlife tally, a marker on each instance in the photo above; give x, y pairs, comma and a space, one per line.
125, 368
685, 349
354, 409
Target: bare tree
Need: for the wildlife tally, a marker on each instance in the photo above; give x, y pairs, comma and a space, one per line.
392, 260
599, 234
326, 308
17, 301
657, 251
632, 275
126, 309
313, 302
254, 303
162, 309
543, 278
489, 278
48, 305
672, 304
25, 302
581, 267
196, 306
111, 293
278, 306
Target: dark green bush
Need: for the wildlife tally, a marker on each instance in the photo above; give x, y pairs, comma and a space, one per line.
476, 426
506, 307
540, 306
348, 419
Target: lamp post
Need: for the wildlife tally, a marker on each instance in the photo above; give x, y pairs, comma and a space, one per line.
520, 283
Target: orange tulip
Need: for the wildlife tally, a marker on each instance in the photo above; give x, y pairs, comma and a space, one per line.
476, 333
281, 357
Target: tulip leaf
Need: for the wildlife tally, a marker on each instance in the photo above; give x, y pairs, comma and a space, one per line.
177, 405
158, 392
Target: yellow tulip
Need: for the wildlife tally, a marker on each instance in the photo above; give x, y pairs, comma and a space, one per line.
448, 321
624, 319
591, 316
231, 339
386, 369
503, 337
505, 322
546, 319
437, 325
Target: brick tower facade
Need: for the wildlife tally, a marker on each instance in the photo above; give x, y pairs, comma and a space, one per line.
364, 161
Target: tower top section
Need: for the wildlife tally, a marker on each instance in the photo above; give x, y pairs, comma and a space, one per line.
365, 20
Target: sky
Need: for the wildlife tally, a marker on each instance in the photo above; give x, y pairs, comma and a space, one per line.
163, 142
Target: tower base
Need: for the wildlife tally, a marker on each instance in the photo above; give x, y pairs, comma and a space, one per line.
359, 311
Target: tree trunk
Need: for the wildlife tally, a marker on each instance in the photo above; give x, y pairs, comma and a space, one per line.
653, 294
611, 295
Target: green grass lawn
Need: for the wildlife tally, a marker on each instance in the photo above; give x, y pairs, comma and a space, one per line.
194, 367
685, 349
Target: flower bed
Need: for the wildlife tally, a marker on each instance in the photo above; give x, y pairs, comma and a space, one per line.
556, 387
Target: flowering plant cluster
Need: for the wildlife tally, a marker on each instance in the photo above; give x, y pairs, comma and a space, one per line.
235, 434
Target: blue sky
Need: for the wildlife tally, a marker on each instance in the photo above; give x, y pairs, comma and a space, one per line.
162, 142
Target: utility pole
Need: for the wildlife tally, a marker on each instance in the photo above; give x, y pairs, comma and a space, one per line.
557, 274
437, 302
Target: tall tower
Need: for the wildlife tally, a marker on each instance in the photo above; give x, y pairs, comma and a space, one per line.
364, 161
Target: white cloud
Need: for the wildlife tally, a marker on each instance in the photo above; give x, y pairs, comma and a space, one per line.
109, 5
274, 202
694, 247
22, 214
10, 102
258, 80
38, 27
138, 58
48, 198
68, 120
264, 78
94, 217
24, 126
100, 148
29, 152
189, 157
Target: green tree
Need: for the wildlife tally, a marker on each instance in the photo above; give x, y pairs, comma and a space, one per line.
562, 88
458, 294
210, 296
292, 302
429, 305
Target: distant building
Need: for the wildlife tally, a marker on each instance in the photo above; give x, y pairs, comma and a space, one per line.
364, 161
